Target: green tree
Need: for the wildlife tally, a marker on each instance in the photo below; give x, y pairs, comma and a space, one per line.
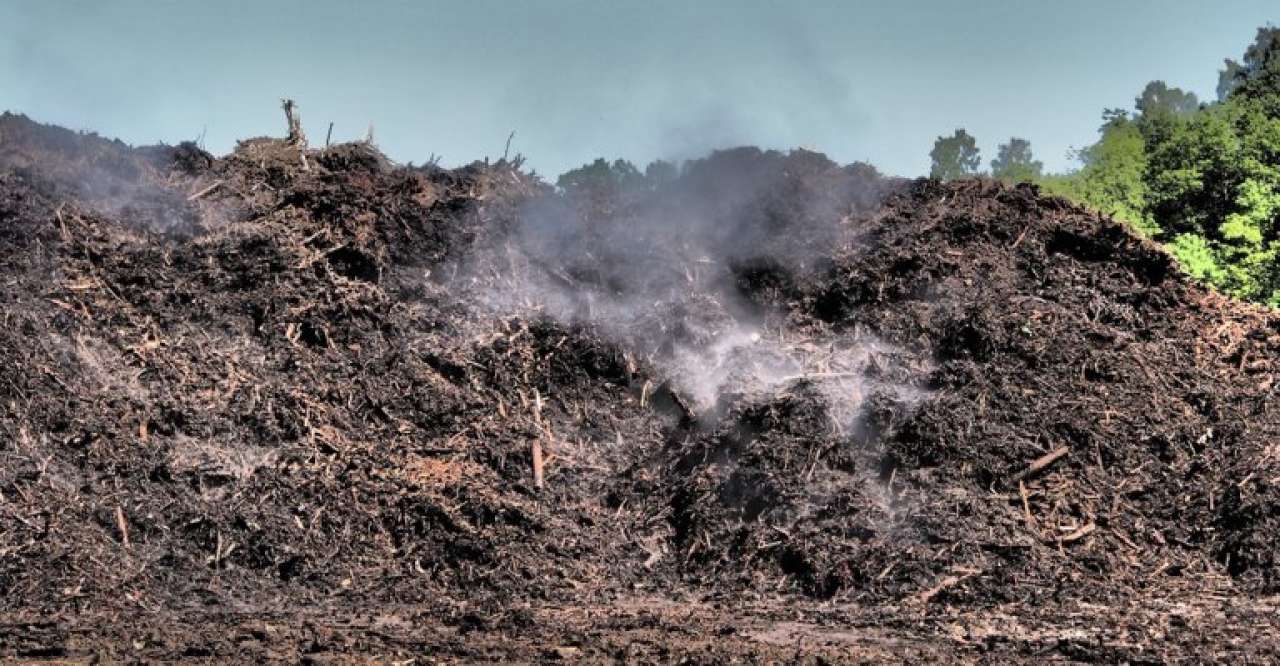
1111, 175
1257, 75
660, 172
602, 187
955, 156
1205, 179
1014, 162
1198, 258
601, 176
1250, 244
1216, 176
1159, 99
1227, 78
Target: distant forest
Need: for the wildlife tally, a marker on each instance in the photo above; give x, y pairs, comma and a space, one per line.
1202, 178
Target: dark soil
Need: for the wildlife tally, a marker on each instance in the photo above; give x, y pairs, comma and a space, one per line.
285, 404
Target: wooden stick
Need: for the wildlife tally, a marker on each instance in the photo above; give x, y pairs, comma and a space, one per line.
328, 135
296, 136
537, 463
1040, 463
536, 446
507, 150
1026, 505
62, 223
946, 582
122, 525
205, 191
824, 375
1021, 236
1078, 534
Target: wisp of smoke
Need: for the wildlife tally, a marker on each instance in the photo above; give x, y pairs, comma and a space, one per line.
693, 272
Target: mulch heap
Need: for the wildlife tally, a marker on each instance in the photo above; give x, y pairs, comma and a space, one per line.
264, 406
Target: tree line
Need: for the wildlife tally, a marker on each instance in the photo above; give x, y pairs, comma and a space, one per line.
1203, 178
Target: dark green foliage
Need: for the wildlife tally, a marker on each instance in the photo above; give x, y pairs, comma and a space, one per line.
955, 156
599, 186
1214, 182
1257, 75
1111, 177
619, 177
1158, 99
601, 175
1014, 162
660, 173
1227, 78
1204, 179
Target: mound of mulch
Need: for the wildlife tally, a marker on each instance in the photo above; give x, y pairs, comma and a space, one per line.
292, 401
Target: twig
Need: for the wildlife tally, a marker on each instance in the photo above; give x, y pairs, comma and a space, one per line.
507, 150
1078, 534
205, 191
122, 525
1021, 236
824, 375
1026, 504
536, 446
949, 581
62, 223
1040, 463
291, 116
537, 462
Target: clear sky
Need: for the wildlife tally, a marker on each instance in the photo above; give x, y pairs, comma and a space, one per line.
870, 80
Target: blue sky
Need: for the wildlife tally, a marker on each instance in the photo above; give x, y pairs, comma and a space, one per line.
874, 81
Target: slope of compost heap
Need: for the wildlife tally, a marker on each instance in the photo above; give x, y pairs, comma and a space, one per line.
258, 409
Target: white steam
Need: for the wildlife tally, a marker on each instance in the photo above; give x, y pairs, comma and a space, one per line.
666, 275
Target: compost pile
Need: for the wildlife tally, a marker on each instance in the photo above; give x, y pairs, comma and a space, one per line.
299, 401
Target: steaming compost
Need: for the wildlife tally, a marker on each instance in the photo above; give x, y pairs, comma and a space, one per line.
294, 403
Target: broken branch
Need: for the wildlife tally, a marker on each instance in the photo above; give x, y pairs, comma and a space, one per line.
122, 525
1078, 534
1040, 463
205, 191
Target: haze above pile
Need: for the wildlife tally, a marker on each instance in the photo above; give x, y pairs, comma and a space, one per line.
872, 81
